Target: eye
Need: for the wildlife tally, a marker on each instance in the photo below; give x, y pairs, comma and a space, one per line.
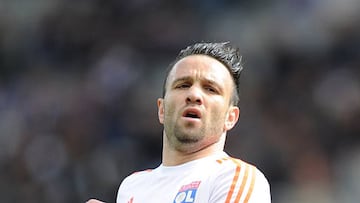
211, 89
182, 86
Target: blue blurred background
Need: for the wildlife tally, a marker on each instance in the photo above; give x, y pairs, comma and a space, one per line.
79, 82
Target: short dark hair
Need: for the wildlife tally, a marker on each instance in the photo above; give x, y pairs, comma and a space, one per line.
223, 52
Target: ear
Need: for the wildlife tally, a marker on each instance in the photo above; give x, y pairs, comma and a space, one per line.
160, 104
232, 117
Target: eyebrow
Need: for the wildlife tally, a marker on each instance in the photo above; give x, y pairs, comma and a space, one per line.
182, 79
206, 80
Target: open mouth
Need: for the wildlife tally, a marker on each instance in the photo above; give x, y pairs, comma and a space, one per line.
192, 113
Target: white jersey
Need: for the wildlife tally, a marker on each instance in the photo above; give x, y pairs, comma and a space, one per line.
214, 179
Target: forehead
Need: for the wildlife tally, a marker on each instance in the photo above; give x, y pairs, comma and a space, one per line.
201, 67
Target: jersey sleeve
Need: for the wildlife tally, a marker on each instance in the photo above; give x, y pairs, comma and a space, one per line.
261, 191
128, 186
241, 183
122, 193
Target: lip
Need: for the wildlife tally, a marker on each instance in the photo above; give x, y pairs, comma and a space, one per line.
192, 110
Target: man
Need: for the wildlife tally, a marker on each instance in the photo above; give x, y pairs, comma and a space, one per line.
199, 106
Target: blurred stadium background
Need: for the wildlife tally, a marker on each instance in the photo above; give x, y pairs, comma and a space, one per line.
79, 82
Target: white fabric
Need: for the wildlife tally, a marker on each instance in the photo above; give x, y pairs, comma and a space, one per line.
215, 179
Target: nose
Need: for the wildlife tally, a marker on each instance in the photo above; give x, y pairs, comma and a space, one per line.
194, 96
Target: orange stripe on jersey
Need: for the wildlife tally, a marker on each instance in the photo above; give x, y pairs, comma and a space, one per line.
251, 188
221, 160
243, 183
233, 184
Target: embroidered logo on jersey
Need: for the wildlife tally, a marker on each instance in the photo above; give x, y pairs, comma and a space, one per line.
187, 193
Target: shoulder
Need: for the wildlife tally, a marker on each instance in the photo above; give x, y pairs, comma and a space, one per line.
233, 165
228, 164
244, 171
238, 179
135, 177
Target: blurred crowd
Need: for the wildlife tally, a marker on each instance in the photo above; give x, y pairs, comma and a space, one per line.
79, 82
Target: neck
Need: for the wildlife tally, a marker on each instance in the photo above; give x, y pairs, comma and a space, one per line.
173, 157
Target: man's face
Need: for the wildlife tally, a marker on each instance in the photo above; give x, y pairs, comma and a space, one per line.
196, 108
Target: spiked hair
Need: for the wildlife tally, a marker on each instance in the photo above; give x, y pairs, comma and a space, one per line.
223, 52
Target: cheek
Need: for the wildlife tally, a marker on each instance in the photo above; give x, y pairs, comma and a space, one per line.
219, 106
169, 110
218, 114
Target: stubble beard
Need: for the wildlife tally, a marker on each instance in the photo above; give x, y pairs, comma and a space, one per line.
183, 138
189, 138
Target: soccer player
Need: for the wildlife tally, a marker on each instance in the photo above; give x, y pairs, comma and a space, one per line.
197, 108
